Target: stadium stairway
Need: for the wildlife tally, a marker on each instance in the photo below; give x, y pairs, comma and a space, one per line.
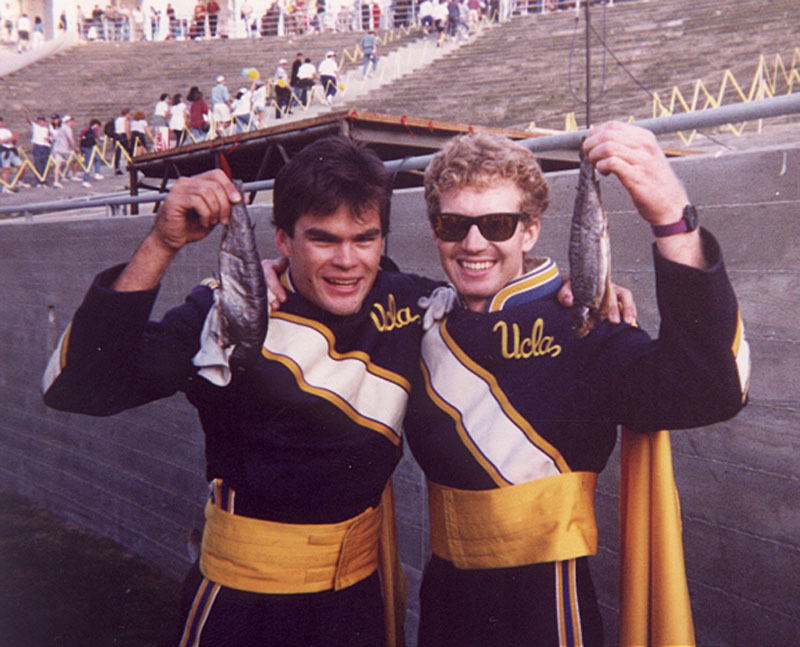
512, 75
97, 79
520, 73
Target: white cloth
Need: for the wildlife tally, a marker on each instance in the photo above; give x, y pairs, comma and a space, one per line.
437, 304
212, 360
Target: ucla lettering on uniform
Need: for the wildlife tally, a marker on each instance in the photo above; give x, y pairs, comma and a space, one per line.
536, 345
389, 318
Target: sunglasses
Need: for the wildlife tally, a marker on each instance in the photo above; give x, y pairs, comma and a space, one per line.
453, 227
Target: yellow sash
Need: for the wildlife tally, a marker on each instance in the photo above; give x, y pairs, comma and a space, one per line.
270, 557
546, 520
654, 597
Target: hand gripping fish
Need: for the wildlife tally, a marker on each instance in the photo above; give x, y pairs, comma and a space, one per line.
243, 290
589, 254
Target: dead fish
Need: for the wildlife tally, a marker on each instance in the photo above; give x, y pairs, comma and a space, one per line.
243, 289
589, 254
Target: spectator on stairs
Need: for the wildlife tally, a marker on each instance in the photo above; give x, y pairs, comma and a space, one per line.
440, 20
178, 118
369, 45
23, 33
306, 76
221, 105
40, 145
64, 146
87, 140
242, 109
260, 104
198, 114
122, 137
283, 92
329, 76
140, 133
161, 122
426, 16
9, 156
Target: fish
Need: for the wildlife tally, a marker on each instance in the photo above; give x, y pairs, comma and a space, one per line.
589, 254
243, 309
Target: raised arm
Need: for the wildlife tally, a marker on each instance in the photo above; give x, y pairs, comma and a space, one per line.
635, 157
192, 209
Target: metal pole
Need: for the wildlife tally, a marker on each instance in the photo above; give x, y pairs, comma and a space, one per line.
588, 65
736, 113
775, 107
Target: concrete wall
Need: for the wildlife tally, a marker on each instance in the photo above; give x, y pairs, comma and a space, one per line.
138, 477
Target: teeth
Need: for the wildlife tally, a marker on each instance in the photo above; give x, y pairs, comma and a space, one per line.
345, 282
476, 265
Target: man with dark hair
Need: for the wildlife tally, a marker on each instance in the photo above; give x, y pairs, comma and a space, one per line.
300, 446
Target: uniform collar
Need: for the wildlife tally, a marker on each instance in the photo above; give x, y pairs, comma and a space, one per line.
286, 281
537, 283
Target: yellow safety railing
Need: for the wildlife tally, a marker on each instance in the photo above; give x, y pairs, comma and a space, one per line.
767, 82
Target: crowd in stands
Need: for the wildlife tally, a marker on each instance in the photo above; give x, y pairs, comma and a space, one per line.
255, 19
177, 120
62, 151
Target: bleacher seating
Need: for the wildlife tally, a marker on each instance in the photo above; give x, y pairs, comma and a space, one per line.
513, 74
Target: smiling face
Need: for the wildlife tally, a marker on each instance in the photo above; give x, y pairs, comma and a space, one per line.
477, 267
333, 259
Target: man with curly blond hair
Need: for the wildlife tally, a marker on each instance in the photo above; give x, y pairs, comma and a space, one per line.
514, 417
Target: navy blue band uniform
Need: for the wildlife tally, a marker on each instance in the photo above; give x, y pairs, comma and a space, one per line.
309, 435
512, 400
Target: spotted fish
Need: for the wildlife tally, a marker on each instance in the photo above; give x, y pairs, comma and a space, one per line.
589, 254
243, 289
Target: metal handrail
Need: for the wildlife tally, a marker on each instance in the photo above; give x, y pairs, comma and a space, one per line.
737, 113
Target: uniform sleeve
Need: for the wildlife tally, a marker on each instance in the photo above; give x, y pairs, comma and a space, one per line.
696, 372
112, 358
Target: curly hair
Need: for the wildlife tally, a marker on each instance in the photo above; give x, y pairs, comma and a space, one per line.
479, 159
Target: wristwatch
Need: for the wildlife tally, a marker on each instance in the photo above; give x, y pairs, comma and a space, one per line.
686, 224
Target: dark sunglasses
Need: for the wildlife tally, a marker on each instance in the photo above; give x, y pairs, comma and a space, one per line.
453, 227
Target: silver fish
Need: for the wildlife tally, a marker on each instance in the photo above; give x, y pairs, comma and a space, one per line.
589, 254
243, 289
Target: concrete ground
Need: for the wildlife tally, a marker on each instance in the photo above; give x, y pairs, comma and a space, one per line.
69, 587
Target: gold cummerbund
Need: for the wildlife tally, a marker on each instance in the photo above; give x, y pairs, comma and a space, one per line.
270, 557
546, 520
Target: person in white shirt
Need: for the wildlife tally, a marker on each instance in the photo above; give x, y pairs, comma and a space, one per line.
64, 146
23, 33
241, 110
40, 145
9, 157
122, 137
329, 76
161, 122
140, 133
178, 118
260, 103
440, 20
306, 75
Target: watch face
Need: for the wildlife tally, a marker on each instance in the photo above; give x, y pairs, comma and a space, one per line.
690, 217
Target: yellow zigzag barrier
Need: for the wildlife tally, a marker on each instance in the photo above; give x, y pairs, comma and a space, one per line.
767, 82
